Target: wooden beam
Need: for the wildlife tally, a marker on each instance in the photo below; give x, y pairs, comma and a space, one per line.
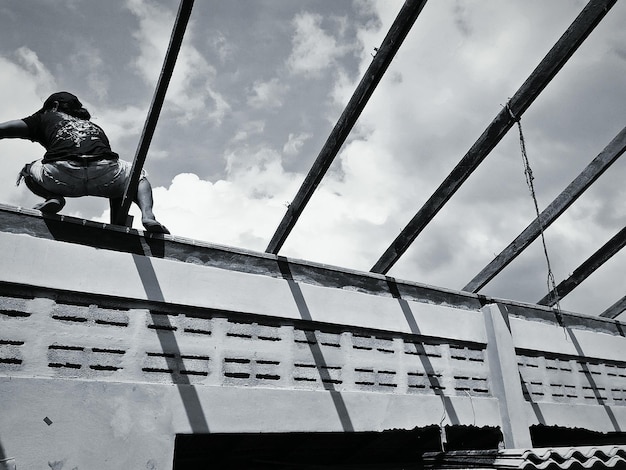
556, 58
581, 273
120, 215
616, 309
573, 191
390, 45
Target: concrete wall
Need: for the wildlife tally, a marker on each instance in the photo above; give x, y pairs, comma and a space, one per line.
107, 353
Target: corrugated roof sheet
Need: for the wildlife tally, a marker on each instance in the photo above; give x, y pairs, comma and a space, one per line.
554, 458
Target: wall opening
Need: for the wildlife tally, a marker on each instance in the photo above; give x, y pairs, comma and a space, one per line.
387, 450
557, 436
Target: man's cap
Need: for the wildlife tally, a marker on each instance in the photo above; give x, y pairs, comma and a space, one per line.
62, 97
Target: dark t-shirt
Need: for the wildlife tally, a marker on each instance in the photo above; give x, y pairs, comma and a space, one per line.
66, 137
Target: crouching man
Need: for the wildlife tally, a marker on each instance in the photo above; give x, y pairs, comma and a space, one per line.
78, 159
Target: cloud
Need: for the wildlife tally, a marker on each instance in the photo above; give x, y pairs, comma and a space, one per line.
267, 94
222, 46
295, 142
247, 130
423, 117
191, 94
457, 67
33, 68
314, 50
241, 210
89, 61
23, 81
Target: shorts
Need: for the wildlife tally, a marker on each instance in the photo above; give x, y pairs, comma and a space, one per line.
103, 178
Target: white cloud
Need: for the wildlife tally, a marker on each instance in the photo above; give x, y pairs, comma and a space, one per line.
314, 50
267, 94
23, 81
449, 79
427, 111
243, 210
190, 92
88, 60
248, 129
33, 68
121, 122
295, 142
222, 45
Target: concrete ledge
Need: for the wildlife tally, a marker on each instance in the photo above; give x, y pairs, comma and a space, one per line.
82, 269
113, 238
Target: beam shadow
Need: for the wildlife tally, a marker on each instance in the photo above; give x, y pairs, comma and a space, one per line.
318, 355
170, 348
435, 384
533, 404
592, 383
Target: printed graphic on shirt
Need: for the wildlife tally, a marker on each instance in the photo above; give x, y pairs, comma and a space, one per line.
76, 130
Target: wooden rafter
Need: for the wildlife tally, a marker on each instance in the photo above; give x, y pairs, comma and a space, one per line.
390, 45
616, 309
120, 215
601, 256
573, 191
547, 69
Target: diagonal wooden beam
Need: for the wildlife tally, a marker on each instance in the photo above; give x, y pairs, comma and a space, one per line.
616, 309
390, 45
120, 215
601, 256
573, 191
556, 58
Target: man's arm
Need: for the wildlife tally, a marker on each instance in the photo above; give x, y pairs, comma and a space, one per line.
13, 129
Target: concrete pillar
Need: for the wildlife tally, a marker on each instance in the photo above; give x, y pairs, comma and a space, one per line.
505, 379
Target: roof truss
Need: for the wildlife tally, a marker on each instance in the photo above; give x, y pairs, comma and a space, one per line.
561, 52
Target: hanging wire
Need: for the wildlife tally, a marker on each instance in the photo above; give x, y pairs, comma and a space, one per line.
528, 173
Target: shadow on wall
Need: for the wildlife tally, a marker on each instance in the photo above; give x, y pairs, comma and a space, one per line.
436, 386
318, 355
170, 348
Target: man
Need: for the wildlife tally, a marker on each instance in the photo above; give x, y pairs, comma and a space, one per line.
78, 159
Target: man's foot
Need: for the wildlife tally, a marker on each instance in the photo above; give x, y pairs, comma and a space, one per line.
153, 226
51, 206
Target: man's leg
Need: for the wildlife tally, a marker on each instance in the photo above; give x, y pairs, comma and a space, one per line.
53, 202
145, 203
114, 205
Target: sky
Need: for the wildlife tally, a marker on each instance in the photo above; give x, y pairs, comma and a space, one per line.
259, 85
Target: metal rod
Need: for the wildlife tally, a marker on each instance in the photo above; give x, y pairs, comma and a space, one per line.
547, 69
573, 191
601, 256
176, 39
390, 45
